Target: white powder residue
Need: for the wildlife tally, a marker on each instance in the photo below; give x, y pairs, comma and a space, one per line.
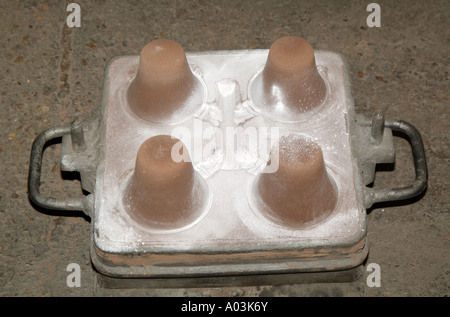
230, 221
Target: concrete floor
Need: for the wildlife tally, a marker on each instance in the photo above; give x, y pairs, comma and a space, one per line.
52, 74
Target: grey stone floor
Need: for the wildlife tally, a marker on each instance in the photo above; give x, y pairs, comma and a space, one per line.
52, 74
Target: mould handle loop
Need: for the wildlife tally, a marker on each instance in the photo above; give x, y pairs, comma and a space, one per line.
375, 195
34, 175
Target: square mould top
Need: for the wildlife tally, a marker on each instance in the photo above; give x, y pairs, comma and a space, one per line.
230, 224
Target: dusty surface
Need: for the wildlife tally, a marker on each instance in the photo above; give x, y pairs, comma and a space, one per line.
52, 74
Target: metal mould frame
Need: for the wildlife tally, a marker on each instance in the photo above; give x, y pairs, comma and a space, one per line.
371, 143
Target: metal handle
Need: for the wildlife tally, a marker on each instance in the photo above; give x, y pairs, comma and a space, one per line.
34, 176
374, 195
